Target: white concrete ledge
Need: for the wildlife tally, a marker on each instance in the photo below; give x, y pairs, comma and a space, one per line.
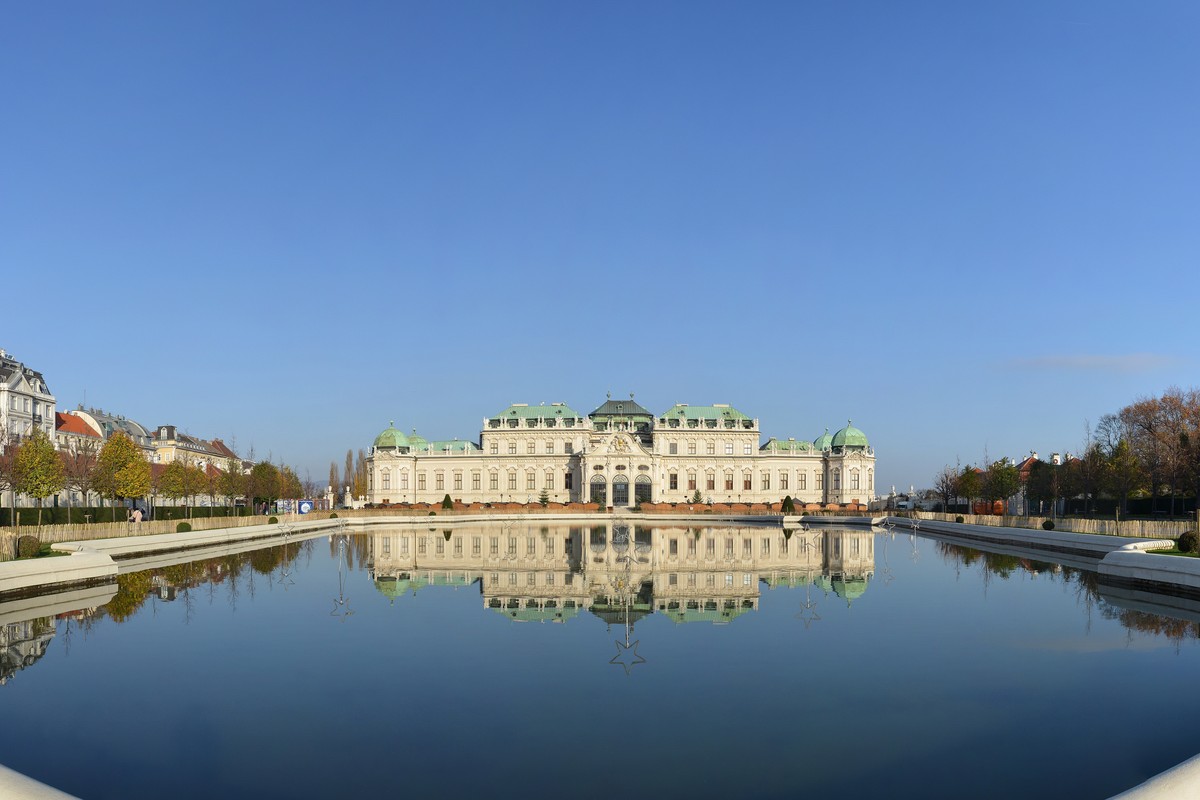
79, 567
1182, 780
15, 786
1142, 567
1092, 544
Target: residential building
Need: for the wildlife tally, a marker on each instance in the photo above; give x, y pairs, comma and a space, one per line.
25, 400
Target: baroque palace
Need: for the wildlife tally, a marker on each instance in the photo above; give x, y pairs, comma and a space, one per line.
621, 454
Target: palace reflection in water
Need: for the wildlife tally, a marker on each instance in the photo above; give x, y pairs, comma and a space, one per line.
622, 572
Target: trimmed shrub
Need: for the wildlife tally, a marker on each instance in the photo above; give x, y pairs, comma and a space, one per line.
1187, 542
959, 518
183, 527
28, 547
273, 521
1048, 525
447, 502
433, 513
333, 515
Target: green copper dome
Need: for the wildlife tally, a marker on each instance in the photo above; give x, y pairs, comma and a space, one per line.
849, 436
391, 438
416, 442
823, 442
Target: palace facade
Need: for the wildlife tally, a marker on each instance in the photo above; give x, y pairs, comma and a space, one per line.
621, 454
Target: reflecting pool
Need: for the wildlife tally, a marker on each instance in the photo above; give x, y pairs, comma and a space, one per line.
519, 659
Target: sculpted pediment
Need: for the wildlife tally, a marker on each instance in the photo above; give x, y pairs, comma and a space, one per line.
620, 444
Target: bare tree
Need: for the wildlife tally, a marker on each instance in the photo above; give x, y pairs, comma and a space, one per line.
78, 464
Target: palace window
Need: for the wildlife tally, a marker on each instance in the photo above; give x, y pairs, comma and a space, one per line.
819, 481
568, 448
403, 545
512, 481
421, 546
710, 547
494, 448
530, 480
549, 546
387, 480
512, 448
870, 480
439, 481
458, 546
387, 545
550, 447
493, 481
673, 448
691, 481
691, 448
747, 482
674, 546
568, 481
747, 548
854, 479
710, 482
783, 481
475, 481
531, 447
766, 481
729, 448
710, 448
420, 481
729, 481
440, 546
549, 484
458, 481
530, 546
766, 547
403, 480
494, 546
801, 480
476, 543
837, 479
673, 480
747, 449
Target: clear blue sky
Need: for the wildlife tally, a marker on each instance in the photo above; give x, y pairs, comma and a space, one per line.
963, 225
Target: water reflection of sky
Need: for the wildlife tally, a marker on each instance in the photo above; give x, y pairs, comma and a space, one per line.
883, 663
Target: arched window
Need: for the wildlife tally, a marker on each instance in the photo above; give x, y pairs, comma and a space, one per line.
641, 489
837, 479
854, 480
599, 490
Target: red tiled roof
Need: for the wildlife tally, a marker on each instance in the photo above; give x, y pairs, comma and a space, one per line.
69, 423
221, 448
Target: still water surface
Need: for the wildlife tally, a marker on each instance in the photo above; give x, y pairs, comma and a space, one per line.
524, 661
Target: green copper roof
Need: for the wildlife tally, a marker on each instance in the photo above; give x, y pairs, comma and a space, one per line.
684, 411
417, 442
714, 614
823, 442
455, 446
849, 436
849, 590
535, 614
543, 411
774, 445
391, 438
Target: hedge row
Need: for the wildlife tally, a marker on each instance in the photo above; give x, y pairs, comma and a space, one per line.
78, 515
